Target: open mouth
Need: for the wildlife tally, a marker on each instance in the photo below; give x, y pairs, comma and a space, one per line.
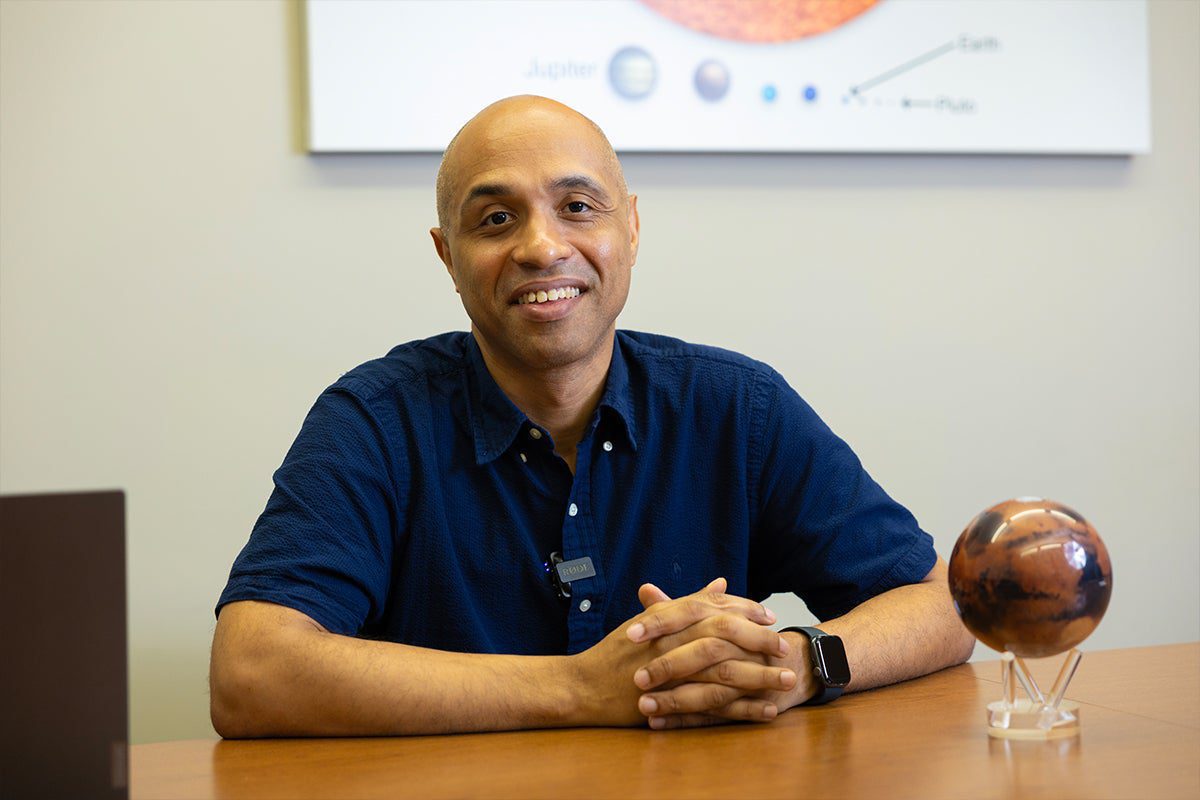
549, 295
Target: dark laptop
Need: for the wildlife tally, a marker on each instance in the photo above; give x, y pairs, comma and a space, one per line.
64, 717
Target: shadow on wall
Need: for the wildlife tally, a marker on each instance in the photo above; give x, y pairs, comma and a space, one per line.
168, 693
798, 171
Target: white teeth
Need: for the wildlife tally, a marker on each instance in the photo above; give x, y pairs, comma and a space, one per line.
550, 295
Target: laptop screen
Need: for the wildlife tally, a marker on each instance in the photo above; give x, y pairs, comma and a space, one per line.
63, 674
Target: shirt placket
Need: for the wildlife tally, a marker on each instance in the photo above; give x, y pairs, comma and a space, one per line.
585, 618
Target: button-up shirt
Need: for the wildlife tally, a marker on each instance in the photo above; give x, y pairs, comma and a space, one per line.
419, 505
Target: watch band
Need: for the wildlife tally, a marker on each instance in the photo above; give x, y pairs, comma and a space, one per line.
826, 692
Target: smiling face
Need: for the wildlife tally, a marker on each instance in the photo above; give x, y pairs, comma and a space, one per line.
538, 234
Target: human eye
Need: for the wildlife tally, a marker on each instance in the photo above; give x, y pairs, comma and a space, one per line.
496, 218
578, 207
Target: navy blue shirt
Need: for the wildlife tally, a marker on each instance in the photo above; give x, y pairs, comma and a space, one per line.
419, 505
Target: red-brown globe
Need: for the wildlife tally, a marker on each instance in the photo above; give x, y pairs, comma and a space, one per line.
1030, 576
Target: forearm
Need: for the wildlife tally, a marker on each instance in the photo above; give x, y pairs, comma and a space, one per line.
904, 633
298, 680
901, 634
907, 632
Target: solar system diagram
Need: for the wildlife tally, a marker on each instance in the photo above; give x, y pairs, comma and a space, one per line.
954, 105
900, 76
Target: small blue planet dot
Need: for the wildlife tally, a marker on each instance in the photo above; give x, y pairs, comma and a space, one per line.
769, 93
810, 93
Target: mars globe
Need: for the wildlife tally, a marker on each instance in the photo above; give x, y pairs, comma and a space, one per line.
1030, 576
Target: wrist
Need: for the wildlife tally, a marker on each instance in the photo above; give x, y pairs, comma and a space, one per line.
597, 695
829, 664
799, 660
579, 707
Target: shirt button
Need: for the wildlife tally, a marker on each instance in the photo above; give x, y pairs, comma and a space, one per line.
585, 605
523, 458
573, 510
608, 447
534, 433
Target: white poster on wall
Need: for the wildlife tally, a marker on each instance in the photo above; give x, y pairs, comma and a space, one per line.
898, 76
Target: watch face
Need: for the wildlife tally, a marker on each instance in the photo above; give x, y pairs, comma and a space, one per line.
831, 655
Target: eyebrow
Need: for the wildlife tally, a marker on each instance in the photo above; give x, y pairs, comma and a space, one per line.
486, 190
580, 182
558, 184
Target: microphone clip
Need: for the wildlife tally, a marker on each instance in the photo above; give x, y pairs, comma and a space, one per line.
564, 573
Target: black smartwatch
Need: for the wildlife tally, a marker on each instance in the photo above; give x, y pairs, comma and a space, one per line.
830, 666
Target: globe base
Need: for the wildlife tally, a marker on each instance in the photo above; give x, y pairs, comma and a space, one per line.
1040, 716
1025, 719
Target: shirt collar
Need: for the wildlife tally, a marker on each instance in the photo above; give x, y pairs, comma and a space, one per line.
618, 397
496, 422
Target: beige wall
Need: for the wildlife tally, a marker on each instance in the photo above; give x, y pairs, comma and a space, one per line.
177, 284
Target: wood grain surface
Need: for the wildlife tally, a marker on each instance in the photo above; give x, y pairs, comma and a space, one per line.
922, 739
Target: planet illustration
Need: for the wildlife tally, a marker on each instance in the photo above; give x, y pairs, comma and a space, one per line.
1031, 577
760, 20
632, 73
711, 80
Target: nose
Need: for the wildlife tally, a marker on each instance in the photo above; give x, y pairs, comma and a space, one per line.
541, 243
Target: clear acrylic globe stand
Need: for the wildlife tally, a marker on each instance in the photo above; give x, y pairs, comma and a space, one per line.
1037, 716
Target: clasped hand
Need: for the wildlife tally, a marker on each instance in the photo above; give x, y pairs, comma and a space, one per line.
702, 659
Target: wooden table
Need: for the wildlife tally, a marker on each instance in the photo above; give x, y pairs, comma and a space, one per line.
1140, 715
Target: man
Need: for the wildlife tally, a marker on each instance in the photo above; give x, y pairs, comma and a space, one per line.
399, 579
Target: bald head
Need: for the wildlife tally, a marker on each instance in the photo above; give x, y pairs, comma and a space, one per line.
515, 116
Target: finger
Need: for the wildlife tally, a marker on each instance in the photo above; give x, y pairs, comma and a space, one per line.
749, 709
749, 636
685, 721
666, 618
689, 698
649, 594
746, 675
686, 660
764, 713
754, 639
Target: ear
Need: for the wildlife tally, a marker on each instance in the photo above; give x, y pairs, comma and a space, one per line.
442, 245
635, 227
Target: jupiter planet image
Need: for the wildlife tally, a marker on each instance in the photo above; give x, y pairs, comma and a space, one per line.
760, 20
1030, 576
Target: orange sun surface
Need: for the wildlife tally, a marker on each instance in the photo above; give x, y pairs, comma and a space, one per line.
760, 20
